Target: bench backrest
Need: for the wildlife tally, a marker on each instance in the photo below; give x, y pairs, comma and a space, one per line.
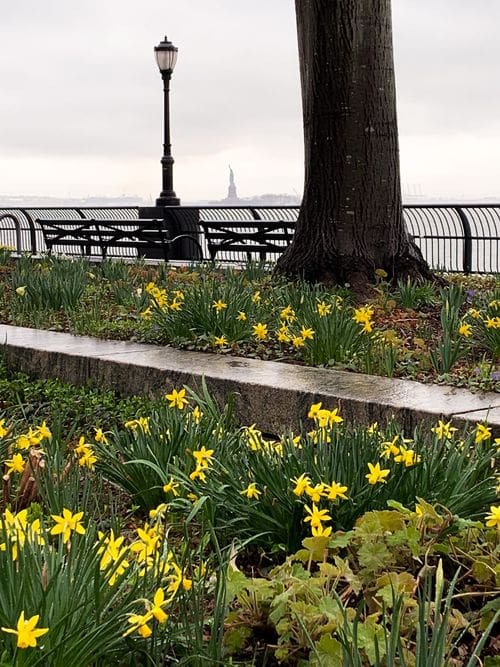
149, 238
260, 237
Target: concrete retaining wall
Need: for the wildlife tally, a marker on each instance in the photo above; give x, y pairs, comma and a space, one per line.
271, 394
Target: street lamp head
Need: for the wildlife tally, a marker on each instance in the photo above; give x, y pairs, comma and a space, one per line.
166, 56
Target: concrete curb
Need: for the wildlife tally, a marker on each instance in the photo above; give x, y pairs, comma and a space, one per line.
273, 395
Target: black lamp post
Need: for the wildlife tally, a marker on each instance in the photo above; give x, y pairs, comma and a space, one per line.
166, 57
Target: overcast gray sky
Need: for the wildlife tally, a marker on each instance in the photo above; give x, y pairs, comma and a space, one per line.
81, 97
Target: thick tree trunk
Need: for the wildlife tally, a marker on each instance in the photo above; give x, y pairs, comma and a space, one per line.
351, 218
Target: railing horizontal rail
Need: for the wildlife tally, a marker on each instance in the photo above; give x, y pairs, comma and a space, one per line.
452, 237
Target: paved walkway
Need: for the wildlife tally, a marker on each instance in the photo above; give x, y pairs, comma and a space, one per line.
271, 394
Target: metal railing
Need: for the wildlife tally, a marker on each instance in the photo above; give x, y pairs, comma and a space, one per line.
452, 237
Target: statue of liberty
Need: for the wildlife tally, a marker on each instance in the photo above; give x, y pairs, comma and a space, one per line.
231, 191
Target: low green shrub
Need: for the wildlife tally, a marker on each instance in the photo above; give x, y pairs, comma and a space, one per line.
377, 595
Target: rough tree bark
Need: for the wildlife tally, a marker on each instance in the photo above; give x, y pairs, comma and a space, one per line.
351, 218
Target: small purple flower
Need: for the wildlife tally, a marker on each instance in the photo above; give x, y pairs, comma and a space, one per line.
495, 376
470, 294
477, 371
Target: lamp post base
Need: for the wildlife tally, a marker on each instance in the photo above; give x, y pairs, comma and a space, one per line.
158, 211
179, 222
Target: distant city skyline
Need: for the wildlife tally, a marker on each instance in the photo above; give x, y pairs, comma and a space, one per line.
83, 116
412, 193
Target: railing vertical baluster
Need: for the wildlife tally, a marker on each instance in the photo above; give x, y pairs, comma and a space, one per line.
31, 225
467, 252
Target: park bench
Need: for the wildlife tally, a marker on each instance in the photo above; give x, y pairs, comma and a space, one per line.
149, 238
250, 237
153, 238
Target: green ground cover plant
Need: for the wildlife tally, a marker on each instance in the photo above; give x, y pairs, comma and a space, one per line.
447, 335
162, 531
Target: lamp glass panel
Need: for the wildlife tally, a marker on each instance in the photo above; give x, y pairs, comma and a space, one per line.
166, 59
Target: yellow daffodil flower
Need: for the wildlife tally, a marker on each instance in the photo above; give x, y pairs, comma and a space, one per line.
175, 305
260, 331
3, 429
177, 399
316, 516
444, 431
288, 314
315, 492
140, 622
376, 474
198, 473
321, 531
158, 512
100, 436
282, 337
493, 518
367, 326
147, 545
301, 484
112, 554
307, 333
43, 431
159, 602
87, 459
251, 491
196, 414
407, 456
26, 631
483, 432
67, 523
171, 487
23, 442
326, 418
220, 341
390, 447
363, 316
142, 423
334, 490
323, 308
15, 464
465, 330
219, 305
313, 410
82, 445
203, 456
